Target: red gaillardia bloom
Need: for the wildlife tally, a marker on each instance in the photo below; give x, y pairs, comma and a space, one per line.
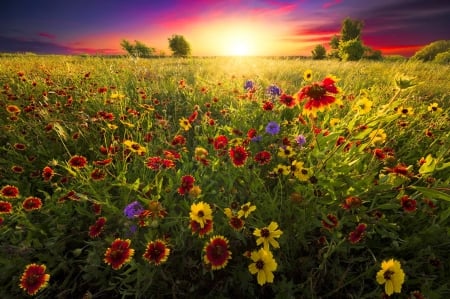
32, 203
263, 157
187, 182
97, 228
356, 235
47, 173
408, 204
157, 252
331, 222
98, 175
78, 161
238, 155
319, 95
5, 207
9, 192
287, 100
119, 253
220, 142
202, 231
217, 252
34, 278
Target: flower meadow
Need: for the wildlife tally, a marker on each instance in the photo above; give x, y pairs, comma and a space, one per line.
223, 177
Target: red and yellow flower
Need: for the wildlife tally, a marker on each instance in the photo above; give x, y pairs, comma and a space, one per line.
217, 252
119, 253
34, 279
319, 96
156, 252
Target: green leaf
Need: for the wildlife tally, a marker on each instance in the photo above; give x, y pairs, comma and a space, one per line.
429, 165
432, 193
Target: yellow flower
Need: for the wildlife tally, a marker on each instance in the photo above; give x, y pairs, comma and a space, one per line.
392, 276
282, 169
405, 111
307, 75
434, 107
334, 121
200, 212
117, 95
245, 210
228, 212
300, 172
263, 265
200, 153
363, 106
377, 136
267, 235
112, 127
286, 152
134, 147
195, 191
185, 124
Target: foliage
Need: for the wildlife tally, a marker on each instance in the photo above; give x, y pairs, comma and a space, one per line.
139, 49
319, 52
365, 181
372, 54
179, 46
429, 52
443, 58
351, 29
351, 50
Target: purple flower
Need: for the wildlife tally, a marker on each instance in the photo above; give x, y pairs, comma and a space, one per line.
133, 209
249, 84
256, 138
273, 128
300, 139
273, 90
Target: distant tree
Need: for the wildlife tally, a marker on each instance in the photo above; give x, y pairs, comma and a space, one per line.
319, 52
139, 49
179, 46
351, 29
351, 50
429, 52
334, 44
372, 54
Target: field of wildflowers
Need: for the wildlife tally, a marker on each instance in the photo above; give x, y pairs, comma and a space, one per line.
222, 177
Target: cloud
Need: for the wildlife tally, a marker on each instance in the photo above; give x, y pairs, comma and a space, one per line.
47, 35
331, 3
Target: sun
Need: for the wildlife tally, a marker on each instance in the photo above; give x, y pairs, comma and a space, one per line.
239, 48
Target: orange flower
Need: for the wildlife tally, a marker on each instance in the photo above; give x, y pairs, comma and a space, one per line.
119, 253
157, 252
34, 278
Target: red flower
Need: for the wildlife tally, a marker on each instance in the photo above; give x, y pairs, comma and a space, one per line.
408, 204
178, 140
5, 207
263, 157
351, 202
119, 253
331, 222
318, 94
187, 182
193, 116
97, 227
20, 146
34, 278
238, 155
236, 223
47, 173
9, 191
78, 161
268, 106
157, 163
251, 133
157, 252
288, 100
399, 170
98, 175
220, 142
217, 252
103, 162
32, 203
356, 235
171, 154
17, 169
196, 228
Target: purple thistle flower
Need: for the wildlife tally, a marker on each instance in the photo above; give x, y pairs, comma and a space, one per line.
300, 139
249, 84
133, 209
273, 128
273, 90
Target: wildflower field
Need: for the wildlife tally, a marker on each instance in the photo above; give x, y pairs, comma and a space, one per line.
223, 177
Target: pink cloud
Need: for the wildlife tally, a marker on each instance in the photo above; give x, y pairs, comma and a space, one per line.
331, 3
47, 35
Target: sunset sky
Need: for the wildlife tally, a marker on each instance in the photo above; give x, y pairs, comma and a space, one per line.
218, 27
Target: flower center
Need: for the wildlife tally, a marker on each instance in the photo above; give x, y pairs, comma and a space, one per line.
316, 91
265, 233
200, 214
260, 265
388, 274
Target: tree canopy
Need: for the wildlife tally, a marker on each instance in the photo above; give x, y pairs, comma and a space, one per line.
179, 46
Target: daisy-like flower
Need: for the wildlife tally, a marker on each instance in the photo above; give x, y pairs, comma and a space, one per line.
272, 128
220, 142
134, 147
97, 227
202, 231
185, 124
319, 95
187, 183
19, 146
434, 107
377, 136
351, 202
78, 161
281, 169
267, 235
356, 235
5, 207
263, 157
201, 212
307, 75
236, 223
300, 171
34, 279
32, 203
217, 252
286, 151
363, 106
98, 175
238, 155
331, 222
9, 192
408, 204
246, 210
13, 109
263, 266
201, 155
119, 253
156, 252
392, 276
267, 106
288, 100
405, 111
47, 173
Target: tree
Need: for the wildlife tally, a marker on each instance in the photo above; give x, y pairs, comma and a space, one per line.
334, 44
351, 29
127, 46
372, 54
139, 49
351, 50
179, 46
429, 52
319, 52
